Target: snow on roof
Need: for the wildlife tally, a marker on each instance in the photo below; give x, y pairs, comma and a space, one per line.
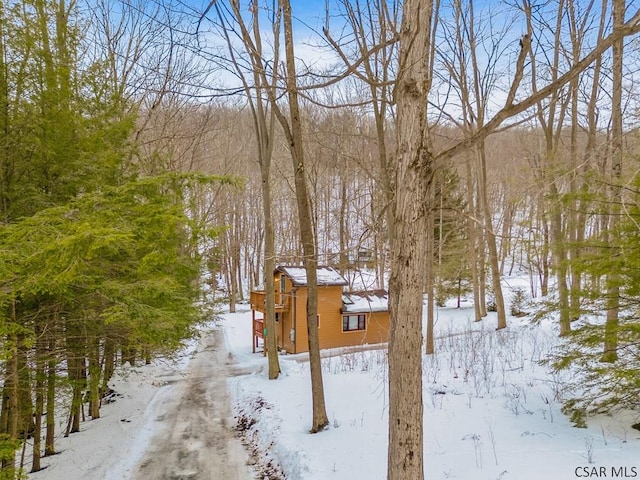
368, 301
327, 276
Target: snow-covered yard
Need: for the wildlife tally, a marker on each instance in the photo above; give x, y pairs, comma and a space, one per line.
491, 411
109, 447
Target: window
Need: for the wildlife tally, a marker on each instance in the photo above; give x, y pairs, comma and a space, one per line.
352, 323
346, 299
282, 299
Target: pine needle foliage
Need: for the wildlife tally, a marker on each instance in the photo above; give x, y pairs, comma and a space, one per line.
602, 386
97, 265
127, 256
451, 265
113, 273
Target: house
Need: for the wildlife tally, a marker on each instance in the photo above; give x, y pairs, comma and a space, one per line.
344, 318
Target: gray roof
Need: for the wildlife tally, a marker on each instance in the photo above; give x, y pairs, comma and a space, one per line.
327, 276
364, 302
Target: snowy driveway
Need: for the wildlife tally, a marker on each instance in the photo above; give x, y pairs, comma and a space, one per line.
196, 440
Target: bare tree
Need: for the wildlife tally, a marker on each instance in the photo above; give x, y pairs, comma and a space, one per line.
373, 30
263, 122
415, 164
610, 353
476, 84
292, 127
414, 171
293, 132
552, 116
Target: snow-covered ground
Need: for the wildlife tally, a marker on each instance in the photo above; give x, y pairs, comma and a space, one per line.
109, 447
491, 412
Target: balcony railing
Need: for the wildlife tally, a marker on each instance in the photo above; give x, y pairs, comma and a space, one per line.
258, 327
259, 297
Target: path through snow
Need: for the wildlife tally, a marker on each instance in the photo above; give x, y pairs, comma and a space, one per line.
196, 439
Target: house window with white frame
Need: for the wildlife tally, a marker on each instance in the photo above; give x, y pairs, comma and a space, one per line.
353, 323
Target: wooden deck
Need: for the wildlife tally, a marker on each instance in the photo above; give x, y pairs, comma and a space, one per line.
258, 301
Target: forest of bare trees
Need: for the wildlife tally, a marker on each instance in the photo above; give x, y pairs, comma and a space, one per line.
442, 144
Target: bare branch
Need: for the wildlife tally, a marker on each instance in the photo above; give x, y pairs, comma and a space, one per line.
631, 27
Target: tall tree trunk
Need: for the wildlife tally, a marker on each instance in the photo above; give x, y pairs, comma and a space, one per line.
25, 399
573, 225
544, 257
230, 267
505, 241
95, 371
269, 249
472, 230
490, 238
551, 118
559, 258
234, 264
264, 122
481, 255
238, 256
414, 173
49, 443
593, 126
76, 373
40, 378
610, 353
10, 412
343, 261
320, 419
108, 360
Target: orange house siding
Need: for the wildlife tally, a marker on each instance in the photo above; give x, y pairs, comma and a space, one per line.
330, 316
329, 303
288, 325
330, 331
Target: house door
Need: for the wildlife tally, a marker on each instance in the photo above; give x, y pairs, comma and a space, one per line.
283, 285
278, 329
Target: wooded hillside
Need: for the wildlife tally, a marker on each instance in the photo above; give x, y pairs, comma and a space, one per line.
146, 150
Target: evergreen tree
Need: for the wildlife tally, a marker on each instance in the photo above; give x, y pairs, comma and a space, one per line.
115, 267
451, 265
600, 385
94, 262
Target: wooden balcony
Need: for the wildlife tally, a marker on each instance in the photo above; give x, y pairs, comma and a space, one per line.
258, 327
259, 297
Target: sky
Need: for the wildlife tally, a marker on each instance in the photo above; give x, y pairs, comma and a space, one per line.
501, 25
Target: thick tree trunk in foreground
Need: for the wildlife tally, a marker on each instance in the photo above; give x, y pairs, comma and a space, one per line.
414, 174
